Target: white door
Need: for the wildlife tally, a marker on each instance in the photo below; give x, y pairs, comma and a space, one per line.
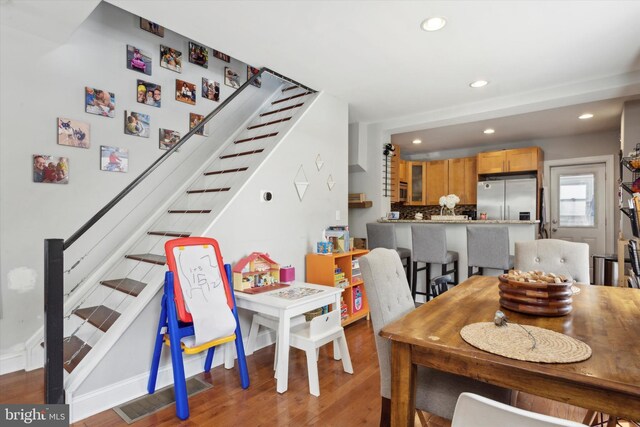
577, 197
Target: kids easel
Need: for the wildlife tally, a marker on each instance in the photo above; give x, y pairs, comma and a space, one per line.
176, 321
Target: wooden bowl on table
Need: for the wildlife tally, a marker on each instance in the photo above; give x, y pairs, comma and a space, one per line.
538, 298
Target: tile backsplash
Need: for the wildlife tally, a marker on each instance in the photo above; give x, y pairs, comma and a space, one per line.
409, 212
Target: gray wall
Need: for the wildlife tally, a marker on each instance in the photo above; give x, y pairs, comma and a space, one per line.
560, 148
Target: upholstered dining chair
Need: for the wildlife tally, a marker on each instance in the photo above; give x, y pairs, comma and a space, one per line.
488, 247
384, 236
389, 299
555, 256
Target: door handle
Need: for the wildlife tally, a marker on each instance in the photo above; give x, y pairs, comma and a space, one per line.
554, 221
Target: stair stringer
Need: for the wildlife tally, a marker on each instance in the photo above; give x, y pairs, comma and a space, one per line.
34, 354
129, 316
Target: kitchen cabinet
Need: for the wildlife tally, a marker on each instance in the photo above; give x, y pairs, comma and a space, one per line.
470, 181
457, 179
416, 180
523, 159
463, 179
402, 171
398, 175
507, 161
437, 185
491, 162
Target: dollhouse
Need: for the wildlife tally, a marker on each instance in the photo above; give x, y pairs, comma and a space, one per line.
255, 271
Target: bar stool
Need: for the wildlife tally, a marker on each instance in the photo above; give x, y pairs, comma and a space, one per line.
488, 247
384, 236
429, 244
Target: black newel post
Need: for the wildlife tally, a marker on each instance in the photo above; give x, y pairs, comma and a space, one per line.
53, 326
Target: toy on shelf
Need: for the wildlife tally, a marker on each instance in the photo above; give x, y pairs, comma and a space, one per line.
357, 299
256, 273
324, 247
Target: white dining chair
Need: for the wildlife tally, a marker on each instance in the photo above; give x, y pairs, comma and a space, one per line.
477, 411
312, 335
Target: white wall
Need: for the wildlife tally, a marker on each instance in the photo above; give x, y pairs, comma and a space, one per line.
40, 81
369, 181
285, 227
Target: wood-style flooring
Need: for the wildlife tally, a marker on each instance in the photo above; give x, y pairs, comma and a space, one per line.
345, 400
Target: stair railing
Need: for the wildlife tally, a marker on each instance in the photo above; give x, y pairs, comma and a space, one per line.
54, 254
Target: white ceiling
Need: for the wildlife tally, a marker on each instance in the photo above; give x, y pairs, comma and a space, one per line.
538, 55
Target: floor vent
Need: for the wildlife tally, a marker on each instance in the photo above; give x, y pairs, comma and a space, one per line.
146, 405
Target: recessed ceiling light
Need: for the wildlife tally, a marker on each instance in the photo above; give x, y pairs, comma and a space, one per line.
433, 24
585, 116
417, 141
478, 83
489, 131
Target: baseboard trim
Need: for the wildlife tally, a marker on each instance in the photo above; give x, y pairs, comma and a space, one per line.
85, 405
88, 404
12, 362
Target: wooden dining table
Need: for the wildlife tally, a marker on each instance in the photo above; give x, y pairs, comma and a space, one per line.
605, 318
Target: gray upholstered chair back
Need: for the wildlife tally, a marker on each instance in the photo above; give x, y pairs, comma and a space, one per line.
554, 256
389, 299
381, 236
429, 243
488, 246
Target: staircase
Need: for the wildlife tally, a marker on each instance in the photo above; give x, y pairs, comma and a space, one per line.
112, 302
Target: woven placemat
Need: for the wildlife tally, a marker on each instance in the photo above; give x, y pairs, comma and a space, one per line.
514, 342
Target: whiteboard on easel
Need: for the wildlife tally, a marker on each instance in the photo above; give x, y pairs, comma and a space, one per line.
202, 287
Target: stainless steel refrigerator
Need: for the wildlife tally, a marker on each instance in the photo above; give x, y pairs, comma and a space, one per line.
509, 199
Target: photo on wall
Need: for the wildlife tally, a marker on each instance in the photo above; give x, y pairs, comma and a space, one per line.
251, 71
210, 89
74, 133
149, 93
152, 27
114, 159
100, 102
198, 55
138, 60
168, 138
185, 92
194, 120
50, 169
221, 56
231, 78
170, 59
136, 124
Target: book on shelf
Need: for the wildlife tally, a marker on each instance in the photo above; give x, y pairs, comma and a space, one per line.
633, 216
633, 256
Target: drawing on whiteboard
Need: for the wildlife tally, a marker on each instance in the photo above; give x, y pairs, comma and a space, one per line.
203, 277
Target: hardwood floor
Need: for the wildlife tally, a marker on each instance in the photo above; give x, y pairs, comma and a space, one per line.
345, 400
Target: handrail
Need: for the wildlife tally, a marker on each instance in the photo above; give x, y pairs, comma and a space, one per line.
102, 212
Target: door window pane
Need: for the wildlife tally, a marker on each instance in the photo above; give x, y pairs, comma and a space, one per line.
577, 201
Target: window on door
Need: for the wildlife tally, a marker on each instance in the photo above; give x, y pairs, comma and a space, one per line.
577, 204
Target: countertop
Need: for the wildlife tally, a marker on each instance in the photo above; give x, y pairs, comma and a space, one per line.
459, 221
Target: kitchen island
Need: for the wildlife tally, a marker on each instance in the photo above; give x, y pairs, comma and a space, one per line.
456, 230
